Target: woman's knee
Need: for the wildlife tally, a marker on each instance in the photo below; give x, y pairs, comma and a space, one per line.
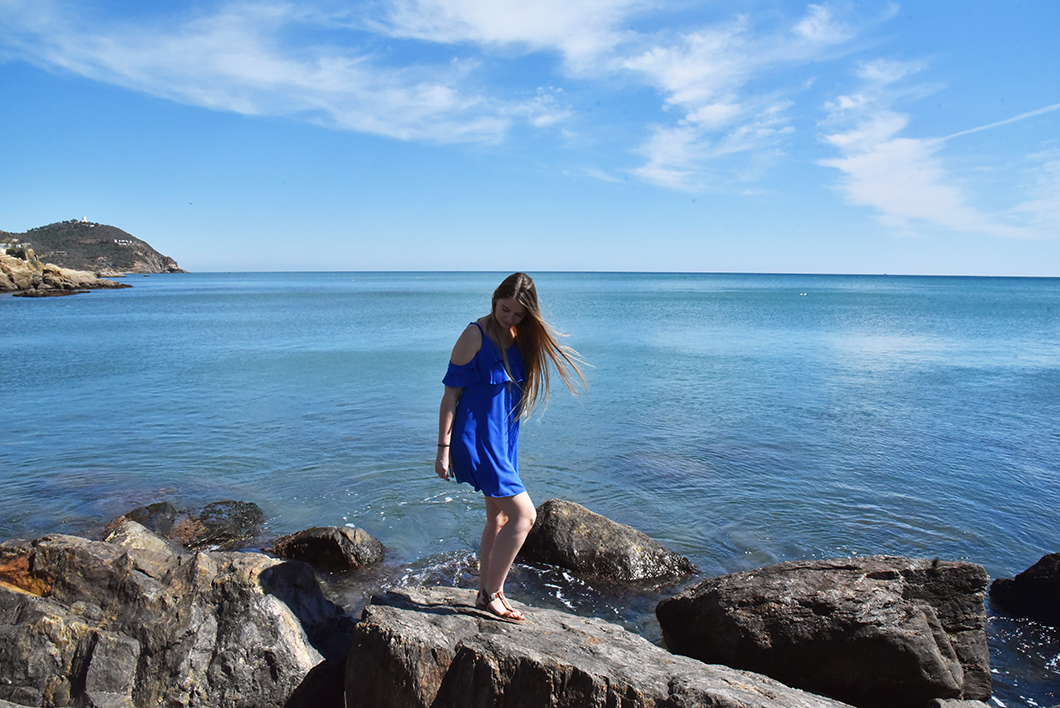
527, 516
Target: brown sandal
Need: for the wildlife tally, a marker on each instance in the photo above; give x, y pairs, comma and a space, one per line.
504, 601
508, 614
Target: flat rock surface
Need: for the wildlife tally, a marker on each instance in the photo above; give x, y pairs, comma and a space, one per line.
431, 647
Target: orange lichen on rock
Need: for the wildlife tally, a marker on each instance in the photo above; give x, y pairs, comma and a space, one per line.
16, 575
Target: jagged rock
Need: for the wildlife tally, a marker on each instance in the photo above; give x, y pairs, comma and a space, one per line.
92, 623
429, 647
18, 274
871, 631
331, 548
31, 277
1033, 593
570, 536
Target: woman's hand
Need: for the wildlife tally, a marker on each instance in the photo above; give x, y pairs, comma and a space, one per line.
441, 463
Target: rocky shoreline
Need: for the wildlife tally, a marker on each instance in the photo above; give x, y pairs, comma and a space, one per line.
163, 610
31, 278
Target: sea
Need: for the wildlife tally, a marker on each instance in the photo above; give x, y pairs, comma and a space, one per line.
739, 419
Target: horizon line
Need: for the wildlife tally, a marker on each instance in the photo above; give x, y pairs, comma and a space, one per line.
607, 272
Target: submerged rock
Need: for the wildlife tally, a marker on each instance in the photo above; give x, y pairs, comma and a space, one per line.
1034, 593
221, 525
331, 548
92, 623
158, 517
429, 647
570, 536
873, 631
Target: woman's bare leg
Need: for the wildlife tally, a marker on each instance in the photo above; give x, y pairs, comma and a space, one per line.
508, 521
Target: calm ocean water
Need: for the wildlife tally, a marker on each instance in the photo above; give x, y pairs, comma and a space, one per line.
739, 419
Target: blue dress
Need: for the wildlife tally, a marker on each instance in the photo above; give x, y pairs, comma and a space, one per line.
484, 447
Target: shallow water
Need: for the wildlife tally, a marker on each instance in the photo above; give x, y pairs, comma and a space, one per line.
740, 420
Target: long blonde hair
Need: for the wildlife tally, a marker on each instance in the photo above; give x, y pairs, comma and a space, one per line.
537, 342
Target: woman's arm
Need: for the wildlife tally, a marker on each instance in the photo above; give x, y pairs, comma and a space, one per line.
446, 413
466, 348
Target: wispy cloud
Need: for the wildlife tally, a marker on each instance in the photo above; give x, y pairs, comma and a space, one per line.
455, 71
702, 75
581, 31
820, 27
240, 59
705, 78
326, 63
1043, 186
602, 175
904, 179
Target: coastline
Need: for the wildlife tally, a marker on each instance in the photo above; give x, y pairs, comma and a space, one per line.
946, 585
31, 278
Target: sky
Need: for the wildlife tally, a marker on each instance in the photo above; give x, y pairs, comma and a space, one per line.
555, 135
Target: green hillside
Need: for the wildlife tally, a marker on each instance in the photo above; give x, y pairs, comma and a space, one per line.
84, 245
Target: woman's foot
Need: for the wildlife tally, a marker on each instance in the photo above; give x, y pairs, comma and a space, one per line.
504, 600
497, 605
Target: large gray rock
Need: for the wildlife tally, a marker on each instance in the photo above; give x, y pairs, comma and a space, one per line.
874, 631
570, 536
1034, 593
91, 623
429, 647
333, 548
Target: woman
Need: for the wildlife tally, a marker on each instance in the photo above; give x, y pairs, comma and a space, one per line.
498, 373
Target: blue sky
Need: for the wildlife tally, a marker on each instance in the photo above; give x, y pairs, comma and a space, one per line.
850, 137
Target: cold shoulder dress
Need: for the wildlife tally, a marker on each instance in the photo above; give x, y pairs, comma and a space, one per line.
484, 447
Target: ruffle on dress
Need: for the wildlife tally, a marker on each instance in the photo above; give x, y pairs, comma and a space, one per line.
487, 366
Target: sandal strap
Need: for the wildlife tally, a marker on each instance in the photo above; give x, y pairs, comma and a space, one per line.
506, 611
